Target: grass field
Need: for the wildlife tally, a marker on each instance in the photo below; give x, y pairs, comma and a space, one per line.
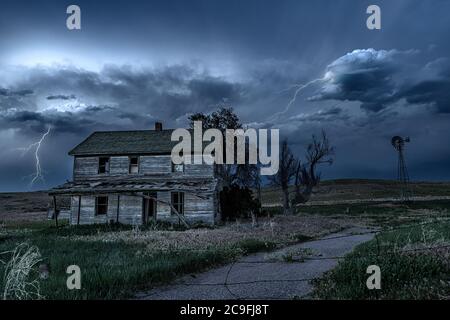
381, 213
116, 261
413, 253
414, 263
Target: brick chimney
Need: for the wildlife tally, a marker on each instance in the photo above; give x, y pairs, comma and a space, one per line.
158, 126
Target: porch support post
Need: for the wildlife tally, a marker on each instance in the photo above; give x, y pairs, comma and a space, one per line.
55, 212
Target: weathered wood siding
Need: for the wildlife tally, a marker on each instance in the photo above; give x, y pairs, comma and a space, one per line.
119, 165
130, 210
163, 209
87, 168
195, 209
155, 165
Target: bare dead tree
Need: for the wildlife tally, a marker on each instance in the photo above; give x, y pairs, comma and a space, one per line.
286, 171
318, 152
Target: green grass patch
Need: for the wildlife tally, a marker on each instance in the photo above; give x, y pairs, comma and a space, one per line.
383, 213
408, 270
113, 270
254, 245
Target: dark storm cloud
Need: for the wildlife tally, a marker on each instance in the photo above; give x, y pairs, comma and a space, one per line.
30, 123
125, 97
379, 78
332, 114
95, 110
61, 97
168, 92
115, 96
434, 90
367, 76
332, 111
132, 65
20, 93
214, 90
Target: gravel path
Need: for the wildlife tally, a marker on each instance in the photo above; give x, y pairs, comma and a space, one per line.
265, 275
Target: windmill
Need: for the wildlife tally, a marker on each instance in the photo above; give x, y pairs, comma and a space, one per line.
402, 172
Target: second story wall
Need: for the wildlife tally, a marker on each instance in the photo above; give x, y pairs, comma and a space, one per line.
87, 167
155, 164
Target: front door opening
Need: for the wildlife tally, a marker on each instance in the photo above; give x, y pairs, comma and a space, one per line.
149, 207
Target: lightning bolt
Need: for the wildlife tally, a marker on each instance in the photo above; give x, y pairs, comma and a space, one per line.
299, 88
37, 175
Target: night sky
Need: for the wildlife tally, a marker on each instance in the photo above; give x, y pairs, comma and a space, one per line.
137, 62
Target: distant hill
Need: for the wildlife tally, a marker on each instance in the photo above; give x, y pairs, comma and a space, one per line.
359, 189
26, 205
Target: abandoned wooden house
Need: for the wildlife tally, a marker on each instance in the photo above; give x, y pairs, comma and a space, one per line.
128, 177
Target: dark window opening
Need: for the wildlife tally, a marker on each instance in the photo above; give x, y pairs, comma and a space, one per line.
178, 201
103, 165
101, 205
149, 207
134, 165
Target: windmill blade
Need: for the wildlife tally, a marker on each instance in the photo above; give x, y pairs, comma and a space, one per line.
397, 142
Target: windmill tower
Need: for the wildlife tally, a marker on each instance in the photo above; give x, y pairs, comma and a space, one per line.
402, 172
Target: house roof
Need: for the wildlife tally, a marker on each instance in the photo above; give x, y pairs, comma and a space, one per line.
126, 142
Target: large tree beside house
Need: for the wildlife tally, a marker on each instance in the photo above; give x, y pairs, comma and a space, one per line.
238, 179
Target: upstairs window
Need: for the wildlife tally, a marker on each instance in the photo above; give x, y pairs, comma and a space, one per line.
103, 165
101, 205
178, 201
177, 167
134, 165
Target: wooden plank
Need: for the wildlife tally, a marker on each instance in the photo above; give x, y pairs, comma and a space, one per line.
155, 165
119, 165
79, 210
180, 216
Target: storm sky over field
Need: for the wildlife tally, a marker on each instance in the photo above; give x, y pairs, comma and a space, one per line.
137, 62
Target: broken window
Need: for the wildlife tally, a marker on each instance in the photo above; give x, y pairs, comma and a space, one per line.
178, 201
101, 205
103, 165
134, 165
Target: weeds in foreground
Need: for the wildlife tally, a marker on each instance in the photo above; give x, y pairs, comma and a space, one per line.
20, 281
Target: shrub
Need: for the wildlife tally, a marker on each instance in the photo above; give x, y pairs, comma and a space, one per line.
238, 202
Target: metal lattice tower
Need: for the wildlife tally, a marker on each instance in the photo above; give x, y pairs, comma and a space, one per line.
402, 171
